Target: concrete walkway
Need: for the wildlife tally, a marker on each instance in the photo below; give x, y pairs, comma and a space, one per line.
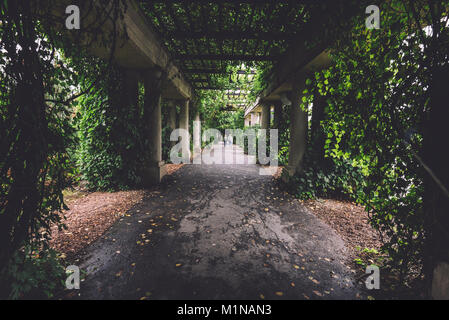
218, 232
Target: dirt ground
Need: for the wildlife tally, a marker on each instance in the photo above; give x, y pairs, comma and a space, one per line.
349, 220
91, 214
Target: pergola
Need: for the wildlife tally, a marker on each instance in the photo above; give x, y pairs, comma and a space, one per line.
205, 37
177, 47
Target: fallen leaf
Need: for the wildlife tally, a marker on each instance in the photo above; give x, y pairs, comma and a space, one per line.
314, 280
317, 293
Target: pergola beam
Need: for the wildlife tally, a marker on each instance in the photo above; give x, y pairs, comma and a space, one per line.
225, 57
211, 71
204, 71
231, 35
214, 88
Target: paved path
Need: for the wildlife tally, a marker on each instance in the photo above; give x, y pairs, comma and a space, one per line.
218, 232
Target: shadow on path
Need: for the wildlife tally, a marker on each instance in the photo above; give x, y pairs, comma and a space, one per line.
218, 232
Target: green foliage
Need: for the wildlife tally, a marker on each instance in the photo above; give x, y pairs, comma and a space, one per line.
37, 140
213, 106
166, 143
33, 274
369, 256
36, 131
377, 98
261, 80
112, 135
331, 178
284, 137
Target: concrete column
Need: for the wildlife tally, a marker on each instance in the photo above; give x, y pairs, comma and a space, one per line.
298, 128
155, 169
277, 115
266, 113
184, 124
197, 138
247, 120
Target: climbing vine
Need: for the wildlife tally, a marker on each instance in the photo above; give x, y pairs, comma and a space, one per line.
378, 95
37, 95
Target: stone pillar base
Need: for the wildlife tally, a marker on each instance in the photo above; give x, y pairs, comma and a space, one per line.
153, 174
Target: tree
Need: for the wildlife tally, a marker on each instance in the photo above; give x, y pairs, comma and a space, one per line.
37, 99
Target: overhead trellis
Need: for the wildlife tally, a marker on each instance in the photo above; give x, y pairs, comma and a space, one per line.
206, 38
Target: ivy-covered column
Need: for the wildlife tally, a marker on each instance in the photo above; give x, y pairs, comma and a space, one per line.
155, 168
130, 102
131, 80
184, 124
298, 128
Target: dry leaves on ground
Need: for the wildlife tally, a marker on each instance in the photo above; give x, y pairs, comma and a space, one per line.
89, 217
349, 220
